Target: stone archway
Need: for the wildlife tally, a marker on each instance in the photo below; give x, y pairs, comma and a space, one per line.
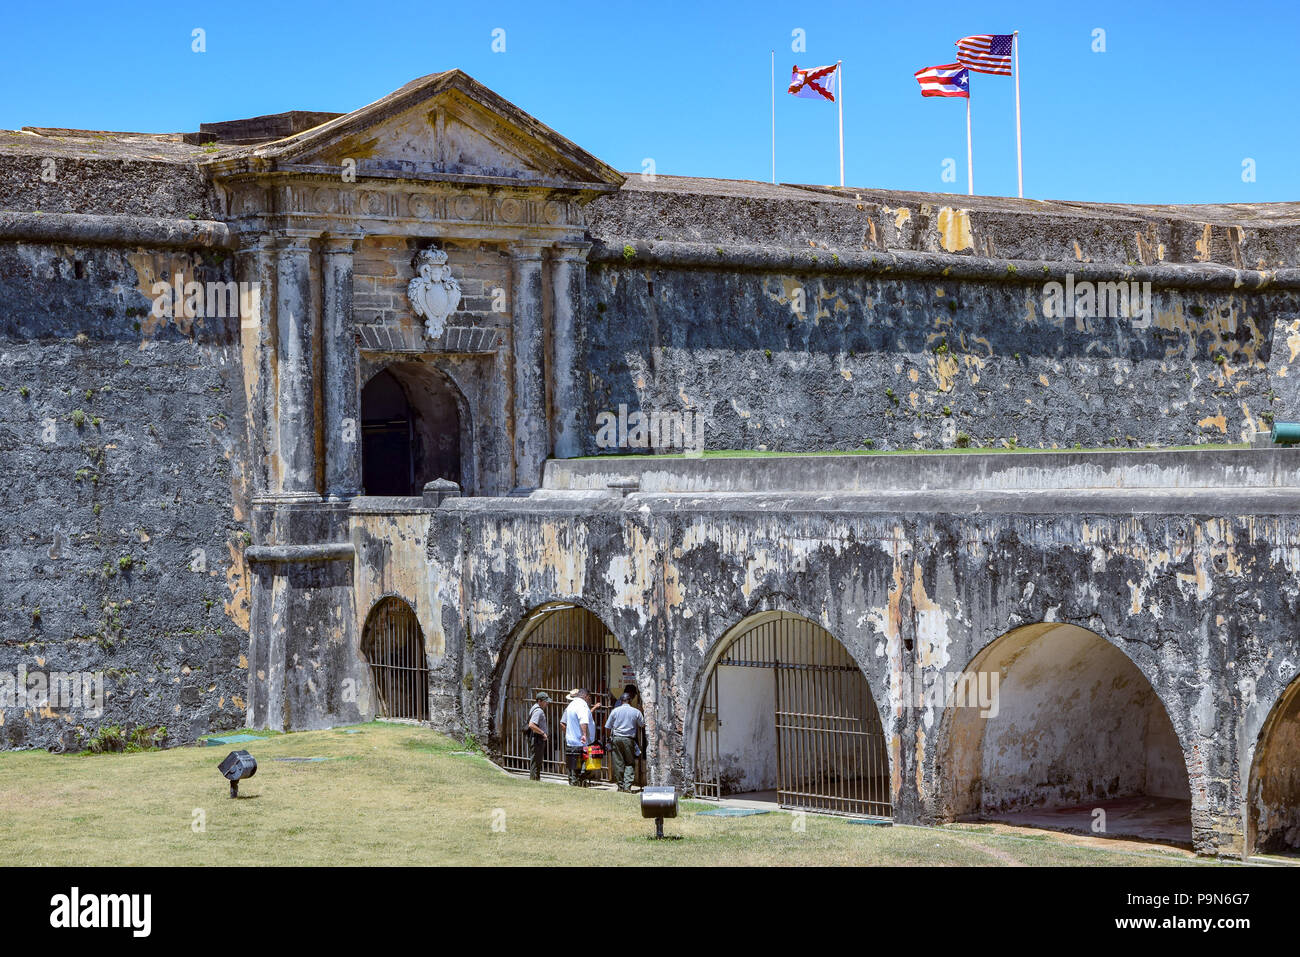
1273, 798
393, 646
414, 426
556, 648
787, 714
1076, 739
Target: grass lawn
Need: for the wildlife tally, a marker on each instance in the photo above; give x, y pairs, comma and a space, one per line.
395, 794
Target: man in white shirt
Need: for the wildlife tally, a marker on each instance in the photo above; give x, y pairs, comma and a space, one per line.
577, 733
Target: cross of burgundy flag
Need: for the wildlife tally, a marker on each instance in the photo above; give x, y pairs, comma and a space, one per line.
814, 83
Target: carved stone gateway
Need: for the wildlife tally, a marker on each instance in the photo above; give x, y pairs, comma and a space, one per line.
434, 292
441, 175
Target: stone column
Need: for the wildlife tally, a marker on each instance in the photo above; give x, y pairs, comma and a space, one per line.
256, 265
568, 286
532, 434
293, 460
341, 395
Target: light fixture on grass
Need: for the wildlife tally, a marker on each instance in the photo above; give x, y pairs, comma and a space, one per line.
237, 766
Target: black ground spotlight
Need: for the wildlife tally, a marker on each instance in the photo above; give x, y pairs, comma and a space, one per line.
237, 766
659, 803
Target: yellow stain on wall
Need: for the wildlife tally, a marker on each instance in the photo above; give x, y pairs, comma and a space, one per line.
1218, 421
1203, 246
954, 229
943, 370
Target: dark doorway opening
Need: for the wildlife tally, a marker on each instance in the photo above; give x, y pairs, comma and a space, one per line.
410, 431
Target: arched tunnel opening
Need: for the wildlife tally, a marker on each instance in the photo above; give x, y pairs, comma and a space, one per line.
558, 648
786, 716
1273, 800
1077, 740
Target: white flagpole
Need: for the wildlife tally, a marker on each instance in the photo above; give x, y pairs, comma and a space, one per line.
970, 162
773, 116
1020, 169
839, 99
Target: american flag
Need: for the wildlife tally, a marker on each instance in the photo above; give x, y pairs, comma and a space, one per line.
986, 53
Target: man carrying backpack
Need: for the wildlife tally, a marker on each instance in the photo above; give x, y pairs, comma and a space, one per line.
538, 733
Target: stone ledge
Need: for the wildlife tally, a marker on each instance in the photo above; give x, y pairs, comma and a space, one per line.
1181, 470
82, 228
272, 554
389, 505
906, 264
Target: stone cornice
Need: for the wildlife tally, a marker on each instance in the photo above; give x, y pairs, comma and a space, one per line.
244, 169
81, 228
325, 205
906, 264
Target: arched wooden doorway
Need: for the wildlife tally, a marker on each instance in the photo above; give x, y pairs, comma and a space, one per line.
787, 713
393, 644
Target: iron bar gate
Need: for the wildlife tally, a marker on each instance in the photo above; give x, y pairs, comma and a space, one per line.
830, 746
394, 646
563, 648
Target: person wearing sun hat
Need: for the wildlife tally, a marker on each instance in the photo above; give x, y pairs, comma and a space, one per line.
577, 733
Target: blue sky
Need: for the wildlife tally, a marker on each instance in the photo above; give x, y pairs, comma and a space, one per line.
1182, 95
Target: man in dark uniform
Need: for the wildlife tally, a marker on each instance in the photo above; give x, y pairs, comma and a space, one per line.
623, 724
538, 733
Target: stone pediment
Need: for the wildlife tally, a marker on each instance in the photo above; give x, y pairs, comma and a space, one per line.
442, 127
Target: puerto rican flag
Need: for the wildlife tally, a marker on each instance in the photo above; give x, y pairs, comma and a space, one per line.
813, 84
951, 79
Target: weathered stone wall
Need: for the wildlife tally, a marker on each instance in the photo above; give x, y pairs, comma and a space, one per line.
50, 178
799, 318
806, 360
911, 587
121, 445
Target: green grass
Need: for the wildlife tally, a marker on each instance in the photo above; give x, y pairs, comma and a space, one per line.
754, 453
396, 794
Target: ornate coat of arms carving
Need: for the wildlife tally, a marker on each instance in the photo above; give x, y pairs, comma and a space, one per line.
434, 292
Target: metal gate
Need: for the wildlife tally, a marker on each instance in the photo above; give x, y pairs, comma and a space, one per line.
394, 646
563, 647
830, 746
